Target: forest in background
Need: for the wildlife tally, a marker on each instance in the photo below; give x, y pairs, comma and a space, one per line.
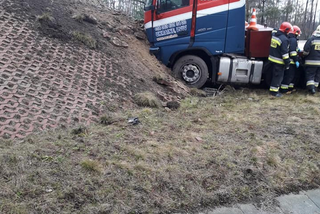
305, 13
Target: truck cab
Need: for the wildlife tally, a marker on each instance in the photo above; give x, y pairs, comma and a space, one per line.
204, 39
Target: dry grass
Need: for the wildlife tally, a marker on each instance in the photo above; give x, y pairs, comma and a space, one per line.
197, 92
45, 17
147, 99
79, 17
91, 165
107, 119
237, 147
85, 39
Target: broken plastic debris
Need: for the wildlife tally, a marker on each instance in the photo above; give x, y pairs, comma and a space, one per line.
134, 121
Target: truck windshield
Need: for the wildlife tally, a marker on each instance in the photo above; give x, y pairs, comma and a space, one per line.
167, 5
148, 3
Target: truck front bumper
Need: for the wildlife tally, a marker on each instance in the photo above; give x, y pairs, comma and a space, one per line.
155, 51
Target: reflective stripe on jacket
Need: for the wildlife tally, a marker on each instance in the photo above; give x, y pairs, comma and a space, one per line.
279, 49
312, 51
293, 46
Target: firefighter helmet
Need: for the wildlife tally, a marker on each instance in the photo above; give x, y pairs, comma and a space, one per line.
296, 30
286, 27
317, 31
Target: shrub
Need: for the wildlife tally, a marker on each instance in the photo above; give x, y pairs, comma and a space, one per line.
147, 99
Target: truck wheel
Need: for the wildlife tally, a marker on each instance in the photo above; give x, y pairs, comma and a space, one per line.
192, 70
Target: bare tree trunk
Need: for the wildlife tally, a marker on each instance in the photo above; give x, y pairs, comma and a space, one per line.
311, 15
314, 18
305, 17
295, 12
306, 9
287, 11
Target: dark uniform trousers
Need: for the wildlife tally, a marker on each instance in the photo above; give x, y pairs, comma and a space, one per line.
312, 61
288, 79
277, 76
312, 75
279, 56
289, 75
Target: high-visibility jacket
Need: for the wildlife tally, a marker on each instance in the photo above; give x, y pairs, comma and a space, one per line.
279, 49
274, 31
293, 48
312, 51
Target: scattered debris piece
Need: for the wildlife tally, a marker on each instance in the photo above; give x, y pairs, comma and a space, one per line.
133, 121
199, 139
211, 92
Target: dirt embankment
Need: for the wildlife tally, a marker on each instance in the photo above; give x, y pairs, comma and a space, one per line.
64, 62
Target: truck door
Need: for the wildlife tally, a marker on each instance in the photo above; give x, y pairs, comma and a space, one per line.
170, 19
211, 25
215, 21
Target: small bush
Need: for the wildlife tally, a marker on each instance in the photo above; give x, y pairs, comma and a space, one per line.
173, 105
106, 119
85, 39
147, 99
91, 165
197, 92
45, 17
273, 160
79, 17
80, 131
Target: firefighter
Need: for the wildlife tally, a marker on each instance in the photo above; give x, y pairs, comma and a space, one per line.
311, 51
279, 56
287, 84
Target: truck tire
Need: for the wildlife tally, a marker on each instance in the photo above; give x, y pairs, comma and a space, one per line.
192, 70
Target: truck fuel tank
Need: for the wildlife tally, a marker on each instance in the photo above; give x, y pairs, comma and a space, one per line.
239, 70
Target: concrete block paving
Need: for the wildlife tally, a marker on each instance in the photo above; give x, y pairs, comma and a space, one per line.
45, 83
306, 202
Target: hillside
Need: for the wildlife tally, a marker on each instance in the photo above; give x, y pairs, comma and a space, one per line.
73, 138
65, 62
